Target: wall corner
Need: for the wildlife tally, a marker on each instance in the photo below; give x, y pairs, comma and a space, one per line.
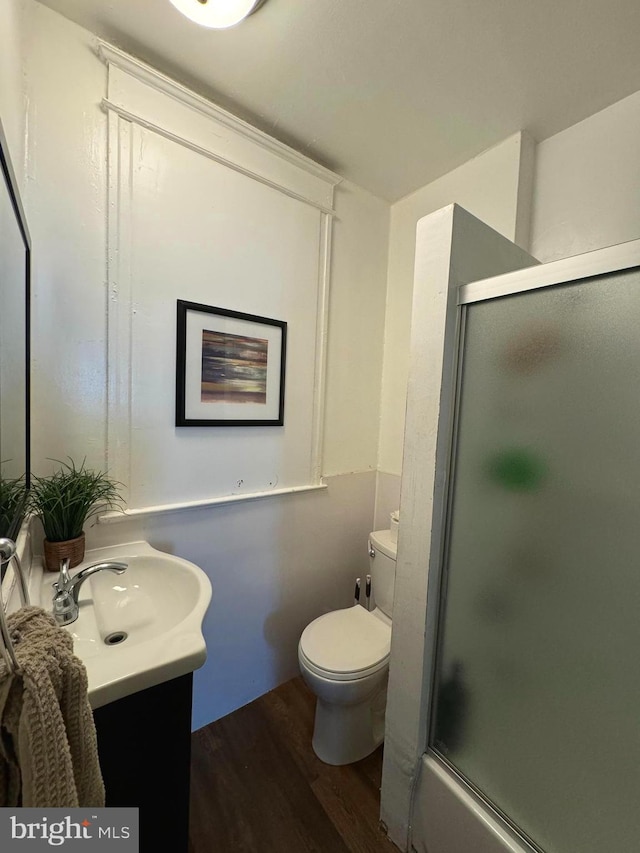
524, 190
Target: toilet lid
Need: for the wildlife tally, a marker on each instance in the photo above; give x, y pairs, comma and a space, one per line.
346, 641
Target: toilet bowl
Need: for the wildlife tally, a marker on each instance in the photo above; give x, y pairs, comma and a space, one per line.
344, 659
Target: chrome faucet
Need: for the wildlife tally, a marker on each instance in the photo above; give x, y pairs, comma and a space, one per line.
67, 588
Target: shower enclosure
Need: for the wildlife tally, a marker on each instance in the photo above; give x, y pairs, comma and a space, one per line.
531, 710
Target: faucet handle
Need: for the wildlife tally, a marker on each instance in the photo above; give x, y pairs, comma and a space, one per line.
64, 577
65, 610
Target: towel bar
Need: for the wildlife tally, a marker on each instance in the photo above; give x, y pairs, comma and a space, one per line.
7, 554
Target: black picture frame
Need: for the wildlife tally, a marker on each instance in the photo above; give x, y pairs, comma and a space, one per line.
230, 367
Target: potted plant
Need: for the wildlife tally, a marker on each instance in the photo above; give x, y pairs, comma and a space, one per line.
12, 499
63, 502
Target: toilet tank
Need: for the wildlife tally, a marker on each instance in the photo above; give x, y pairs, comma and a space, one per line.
382, 562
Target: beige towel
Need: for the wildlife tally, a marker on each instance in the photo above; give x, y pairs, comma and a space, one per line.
48, 747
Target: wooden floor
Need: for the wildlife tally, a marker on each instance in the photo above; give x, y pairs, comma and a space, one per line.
258, 787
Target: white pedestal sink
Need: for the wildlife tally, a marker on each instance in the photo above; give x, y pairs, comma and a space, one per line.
140, 628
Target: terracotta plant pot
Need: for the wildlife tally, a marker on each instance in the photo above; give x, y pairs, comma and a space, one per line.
54, 552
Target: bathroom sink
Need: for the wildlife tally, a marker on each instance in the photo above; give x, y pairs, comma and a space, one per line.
139, 628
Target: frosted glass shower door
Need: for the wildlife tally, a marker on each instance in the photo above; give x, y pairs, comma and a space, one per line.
537, 693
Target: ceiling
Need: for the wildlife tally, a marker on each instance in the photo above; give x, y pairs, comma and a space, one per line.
391, 93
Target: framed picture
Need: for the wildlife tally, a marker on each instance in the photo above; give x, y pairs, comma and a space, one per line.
230, 368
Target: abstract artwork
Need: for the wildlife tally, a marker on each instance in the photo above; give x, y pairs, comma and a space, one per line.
230, 367
234, 368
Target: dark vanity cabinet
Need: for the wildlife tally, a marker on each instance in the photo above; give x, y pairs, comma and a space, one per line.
144, 744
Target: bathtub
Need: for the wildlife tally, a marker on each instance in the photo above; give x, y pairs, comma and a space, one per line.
448, 817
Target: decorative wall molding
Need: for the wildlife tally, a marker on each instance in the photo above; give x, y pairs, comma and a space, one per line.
324, 279
119, 312
144, 511
113, 56
205, 152
140, 96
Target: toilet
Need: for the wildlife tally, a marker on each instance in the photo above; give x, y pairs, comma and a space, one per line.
344, 659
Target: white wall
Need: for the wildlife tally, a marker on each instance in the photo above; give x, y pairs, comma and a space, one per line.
274, 565
586, 187
580, 190
269, 574
205, 233
356, 329
12, 107
496, 188
66, 200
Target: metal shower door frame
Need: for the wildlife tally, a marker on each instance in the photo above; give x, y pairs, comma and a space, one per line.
572, 270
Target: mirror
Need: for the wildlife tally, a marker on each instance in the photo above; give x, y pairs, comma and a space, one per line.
15, 250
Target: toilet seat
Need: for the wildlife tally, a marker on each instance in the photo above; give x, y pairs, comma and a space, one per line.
330, 675
346, 644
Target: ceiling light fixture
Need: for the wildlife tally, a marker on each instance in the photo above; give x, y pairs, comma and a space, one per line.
218, 14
